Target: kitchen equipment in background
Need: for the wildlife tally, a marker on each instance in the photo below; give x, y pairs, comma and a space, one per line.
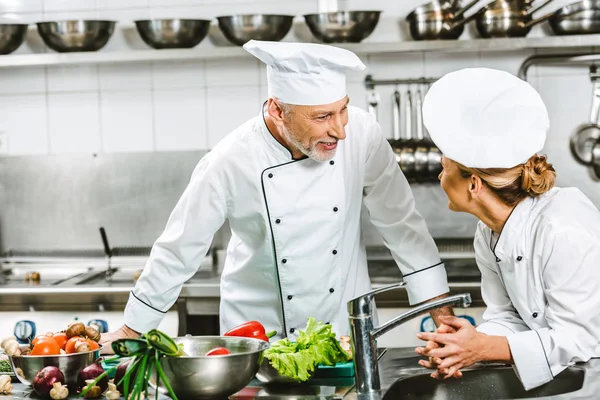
421, 148
583, 139
406, 144
373, 101
436, 20
582, 17
239, 29
100, 325
596, 160
342, 26
25, 331
12, 37
172, 33
398, 141
76, 35
507, 19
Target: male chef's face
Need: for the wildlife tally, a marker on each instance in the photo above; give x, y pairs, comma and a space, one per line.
316, 130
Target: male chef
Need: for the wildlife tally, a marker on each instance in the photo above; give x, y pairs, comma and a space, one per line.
292, 181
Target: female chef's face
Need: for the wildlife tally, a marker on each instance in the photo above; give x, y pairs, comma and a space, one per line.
315, 130
455, 185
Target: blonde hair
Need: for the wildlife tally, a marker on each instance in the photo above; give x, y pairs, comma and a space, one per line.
512, 185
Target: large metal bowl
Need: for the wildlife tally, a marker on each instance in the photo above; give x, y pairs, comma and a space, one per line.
172, 33
342, 26
26, 367
76, 35
239, 29
199, 376
11, 37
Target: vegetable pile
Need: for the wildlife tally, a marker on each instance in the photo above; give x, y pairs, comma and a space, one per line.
317, 344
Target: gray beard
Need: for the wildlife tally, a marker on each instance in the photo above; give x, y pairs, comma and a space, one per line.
310, 152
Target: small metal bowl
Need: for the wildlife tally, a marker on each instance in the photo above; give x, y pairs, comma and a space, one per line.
199, 376
26, 367
172, 33
76, 35
239, 29
270, 376
342, 26
11, 37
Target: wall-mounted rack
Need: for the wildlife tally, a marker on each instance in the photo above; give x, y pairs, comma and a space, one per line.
370, 83
579, 60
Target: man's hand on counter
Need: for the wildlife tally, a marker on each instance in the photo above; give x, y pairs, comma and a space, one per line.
123, 332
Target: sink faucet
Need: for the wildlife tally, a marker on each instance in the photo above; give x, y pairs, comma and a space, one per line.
363, 334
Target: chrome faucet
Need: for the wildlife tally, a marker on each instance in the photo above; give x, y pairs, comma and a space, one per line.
363, 334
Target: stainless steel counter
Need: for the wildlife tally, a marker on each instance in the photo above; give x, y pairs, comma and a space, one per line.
403, 378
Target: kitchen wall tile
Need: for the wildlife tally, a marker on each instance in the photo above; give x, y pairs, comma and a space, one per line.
180, 119
233, 72
71, 14
22, 80
506, 61
357, 94
125, 76
21, 6
230, 107
176, 12
178, 74
394, 66
264, 93
232, 7
73, 122
557, 69
116, 4
72, 78
126, 120
173, 3
69, 5
439, 64
23, 120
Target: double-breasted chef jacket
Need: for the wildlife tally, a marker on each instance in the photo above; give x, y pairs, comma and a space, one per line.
296, 248
541, 283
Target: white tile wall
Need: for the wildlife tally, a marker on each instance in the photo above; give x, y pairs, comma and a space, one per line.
73, 122
24, 122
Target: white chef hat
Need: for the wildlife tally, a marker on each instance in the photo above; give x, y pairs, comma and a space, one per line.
485, 118
305, 73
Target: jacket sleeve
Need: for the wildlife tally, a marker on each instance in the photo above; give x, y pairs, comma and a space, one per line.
500, 318
391, 205
178, 252
572, 287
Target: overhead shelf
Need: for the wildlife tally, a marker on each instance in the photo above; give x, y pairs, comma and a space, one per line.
211, 52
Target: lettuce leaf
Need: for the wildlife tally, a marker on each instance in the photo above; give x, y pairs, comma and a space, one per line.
315, 345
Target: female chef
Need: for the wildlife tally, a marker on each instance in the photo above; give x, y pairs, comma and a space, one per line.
537, 246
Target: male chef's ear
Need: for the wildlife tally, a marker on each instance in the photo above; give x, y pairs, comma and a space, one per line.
276, 111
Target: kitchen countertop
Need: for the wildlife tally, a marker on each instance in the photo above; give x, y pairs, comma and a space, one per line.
395, 364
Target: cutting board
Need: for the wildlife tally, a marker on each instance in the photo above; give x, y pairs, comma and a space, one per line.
340, 370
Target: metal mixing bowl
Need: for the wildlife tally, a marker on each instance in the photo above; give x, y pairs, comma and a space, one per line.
172, 33
342, 26
76, 35
26, 367
11, 37
239, 29
199, 376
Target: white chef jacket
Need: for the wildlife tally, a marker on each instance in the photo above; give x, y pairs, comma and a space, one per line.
541, 283
296, 248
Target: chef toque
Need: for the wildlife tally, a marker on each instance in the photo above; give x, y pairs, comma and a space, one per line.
305, 73
485, 118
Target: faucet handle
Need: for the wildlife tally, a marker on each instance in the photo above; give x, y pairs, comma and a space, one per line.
361, 305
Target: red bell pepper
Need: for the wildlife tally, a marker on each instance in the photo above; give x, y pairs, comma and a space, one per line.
251, 329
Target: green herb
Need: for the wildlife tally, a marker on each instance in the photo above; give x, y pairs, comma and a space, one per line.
5, 366
315, 345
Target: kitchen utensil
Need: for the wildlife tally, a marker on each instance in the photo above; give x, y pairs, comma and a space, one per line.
596, 160
395, 118
239, 29
76, 35
578, 18
584, 138
506, 20
421, 150
172, 33
342, 26
373, 101
407, 154
269, 375
26, 367
432, 21
11, 37
199, 376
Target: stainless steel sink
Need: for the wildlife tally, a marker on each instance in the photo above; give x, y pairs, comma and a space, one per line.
489, 383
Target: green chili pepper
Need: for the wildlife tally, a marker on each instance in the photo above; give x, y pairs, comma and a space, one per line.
129, 347
164, 343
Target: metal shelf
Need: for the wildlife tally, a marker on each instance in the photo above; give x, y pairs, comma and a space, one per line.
209, 52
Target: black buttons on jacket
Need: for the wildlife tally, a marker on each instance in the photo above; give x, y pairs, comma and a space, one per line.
331, 162
335, 209
498, 260
292, 330
290, 297
270, 175
334, 252
277, 221
534, 315
284, 260
331, 290
519, 258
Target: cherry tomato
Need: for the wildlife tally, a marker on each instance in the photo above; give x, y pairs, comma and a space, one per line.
70, 345
45, 348
217, 351
61, 338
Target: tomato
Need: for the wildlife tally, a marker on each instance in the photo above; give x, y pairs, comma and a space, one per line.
70, 345
218, 351
61, 339
45, 348
93, 344
40, 338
